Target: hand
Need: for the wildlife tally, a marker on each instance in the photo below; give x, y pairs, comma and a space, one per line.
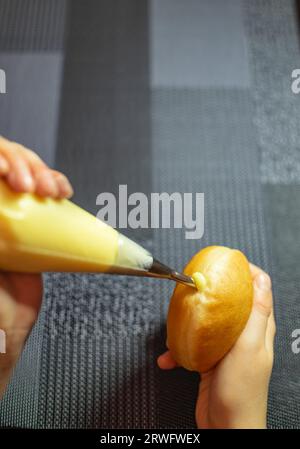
20, 300
234, 393
21, 294
24, 171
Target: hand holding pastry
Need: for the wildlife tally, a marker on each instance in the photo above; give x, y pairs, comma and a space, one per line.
235, 370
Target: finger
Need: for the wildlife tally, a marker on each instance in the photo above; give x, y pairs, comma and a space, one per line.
15, 166
20, 163
46, 184
27, 288
35, 163
270, 333
255, 270
7, 309
4, 167
60, 188
64, 187
271, 326
19, 176
254, 333
166, 361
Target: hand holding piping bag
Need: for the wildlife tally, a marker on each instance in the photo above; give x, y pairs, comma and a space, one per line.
21, 294
234, 393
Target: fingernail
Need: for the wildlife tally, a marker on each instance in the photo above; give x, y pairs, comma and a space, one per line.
263, 281
27, 181
51, 184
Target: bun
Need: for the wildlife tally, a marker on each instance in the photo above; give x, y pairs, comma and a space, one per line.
204, 324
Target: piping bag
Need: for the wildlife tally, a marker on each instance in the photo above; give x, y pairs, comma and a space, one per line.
43, 234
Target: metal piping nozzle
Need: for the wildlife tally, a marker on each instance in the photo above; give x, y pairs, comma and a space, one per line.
160, 270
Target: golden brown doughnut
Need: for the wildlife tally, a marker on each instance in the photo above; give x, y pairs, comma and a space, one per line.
204, 324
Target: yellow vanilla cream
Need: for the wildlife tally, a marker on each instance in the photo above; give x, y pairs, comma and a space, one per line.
43, 234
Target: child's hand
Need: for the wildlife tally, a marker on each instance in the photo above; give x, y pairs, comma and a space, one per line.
24, 171
20, 300
234, 394
21, 294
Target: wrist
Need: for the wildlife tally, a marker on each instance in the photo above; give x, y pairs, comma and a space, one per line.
241, 418
237, 424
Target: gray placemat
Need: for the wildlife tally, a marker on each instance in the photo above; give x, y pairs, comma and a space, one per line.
32, 25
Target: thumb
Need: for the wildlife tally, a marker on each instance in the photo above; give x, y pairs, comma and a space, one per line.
165, 361
256, 327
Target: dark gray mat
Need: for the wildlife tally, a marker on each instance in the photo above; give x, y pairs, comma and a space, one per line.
282, 204
104, 133
36, 25
29, 109
273, 42
273, 39
97, 366
198, 44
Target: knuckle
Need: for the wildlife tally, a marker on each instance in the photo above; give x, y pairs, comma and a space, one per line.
268, 279
264, 305
9, 146
35, 159
32, 154
19, 148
